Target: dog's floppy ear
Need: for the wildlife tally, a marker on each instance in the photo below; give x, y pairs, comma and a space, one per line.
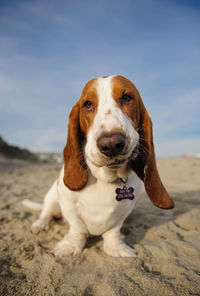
75, 172
145, 163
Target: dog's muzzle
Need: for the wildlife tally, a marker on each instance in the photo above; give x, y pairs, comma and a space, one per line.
111, 145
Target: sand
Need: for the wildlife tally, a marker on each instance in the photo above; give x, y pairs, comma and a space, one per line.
167, 242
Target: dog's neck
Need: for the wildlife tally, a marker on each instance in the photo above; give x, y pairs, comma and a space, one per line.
107, 174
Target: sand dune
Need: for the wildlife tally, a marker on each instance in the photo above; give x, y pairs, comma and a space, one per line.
167, 242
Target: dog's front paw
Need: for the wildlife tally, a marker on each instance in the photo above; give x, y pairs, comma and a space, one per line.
69, 246
120, 249
39, 225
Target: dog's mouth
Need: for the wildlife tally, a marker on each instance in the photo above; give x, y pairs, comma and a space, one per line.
118, 163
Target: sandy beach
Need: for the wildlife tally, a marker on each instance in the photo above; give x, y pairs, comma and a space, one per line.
167, 242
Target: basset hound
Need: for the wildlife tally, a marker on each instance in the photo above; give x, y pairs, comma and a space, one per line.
108, 157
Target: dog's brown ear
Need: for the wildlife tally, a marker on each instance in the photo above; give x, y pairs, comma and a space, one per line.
75, 172
145, 163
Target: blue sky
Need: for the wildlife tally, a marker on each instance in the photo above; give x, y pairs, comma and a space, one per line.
50, 49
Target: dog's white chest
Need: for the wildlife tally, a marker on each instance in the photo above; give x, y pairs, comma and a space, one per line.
98, 208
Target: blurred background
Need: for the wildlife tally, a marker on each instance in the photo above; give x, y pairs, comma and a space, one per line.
50, 49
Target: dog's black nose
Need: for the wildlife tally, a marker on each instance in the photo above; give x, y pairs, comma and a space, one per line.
111, 144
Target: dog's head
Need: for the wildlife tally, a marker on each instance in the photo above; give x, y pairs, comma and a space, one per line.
110, 126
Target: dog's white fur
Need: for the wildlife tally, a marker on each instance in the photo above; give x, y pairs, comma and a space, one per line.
94, 209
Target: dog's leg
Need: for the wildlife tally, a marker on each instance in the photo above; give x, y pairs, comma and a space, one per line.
74, 241
50, 209
114, 246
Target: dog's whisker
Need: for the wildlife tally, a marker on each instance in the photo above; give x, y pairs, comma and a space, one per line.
143, 148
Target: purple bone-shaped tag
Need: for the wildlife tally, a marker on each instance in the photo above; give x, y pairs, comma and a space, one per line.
124, 193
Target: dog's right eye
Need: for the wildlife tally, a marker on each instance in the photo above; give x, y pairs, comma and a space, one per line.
126, 99
88, 106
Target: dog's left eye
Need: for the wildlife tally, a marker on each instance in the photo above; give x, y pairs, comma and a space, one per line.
88, 106
126, 99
